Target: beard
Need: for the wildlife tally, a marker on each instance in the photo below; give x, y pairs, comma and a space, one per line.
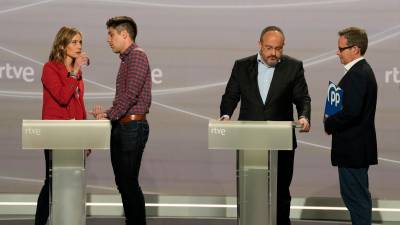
272, 61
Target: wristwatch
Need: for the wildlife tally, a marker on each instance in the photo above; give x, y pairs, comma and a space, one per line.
73, 75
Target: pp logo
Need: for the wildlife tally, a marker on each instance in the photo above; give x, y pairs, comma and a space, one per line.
334, 94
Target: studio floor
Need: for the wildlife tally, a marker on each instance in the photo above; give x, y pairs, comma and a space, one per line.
19, 220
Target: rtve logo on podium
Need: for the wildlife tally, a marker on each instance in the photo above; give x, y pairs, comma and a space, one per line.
218, 131
32, 131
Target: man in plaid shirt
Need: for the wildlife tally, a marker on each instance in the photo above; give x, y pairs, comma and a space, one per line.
130, 129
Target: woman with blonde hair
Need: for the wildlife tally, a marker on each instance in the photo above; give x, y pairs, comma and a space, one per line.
62, 95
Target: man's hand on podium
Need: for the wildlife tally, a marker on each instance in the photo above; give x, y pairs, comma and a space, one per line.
304, 124
101, 116
98, 113
224, 118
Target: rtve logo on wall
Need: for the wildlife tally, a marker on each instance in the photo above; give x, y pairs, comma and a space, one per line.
392, 76
12, 72
27, 73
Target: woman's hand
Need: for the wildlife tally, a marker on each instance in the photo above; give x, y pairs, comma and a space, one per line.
81, 60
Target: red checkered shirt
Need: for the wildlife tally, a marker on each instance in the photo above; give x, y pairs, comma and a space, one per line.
133, 92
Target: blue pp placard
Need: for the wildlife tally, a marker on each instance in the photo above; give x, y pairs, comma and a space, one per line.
334, 100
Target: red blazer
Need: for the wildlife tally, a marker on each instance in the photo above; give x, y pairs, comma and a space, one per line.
60, 98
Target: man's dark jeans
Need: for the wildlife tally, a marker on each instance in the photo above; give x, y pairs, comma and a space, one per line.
128, 141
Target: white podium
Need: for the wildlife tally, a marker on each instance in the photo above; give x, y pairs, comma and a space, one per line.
256, 165
67, 139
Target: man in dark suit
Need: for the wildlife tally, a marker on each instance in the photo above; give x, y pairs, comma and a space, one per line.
267, 85
354, 146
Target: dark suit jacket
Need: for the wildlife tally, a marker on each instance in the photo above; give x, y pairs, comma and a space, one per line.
288, 87
353, 128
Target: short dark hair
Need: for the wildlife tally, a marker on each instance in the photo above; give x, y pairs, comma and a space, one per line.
355, 37
271, 28
123, 23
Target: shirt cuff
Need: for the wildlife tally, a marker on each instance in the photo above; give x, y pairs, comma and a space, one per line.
226, 117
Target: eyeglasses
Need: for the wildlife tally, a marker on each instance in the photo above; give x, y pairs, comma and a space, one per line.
344, 48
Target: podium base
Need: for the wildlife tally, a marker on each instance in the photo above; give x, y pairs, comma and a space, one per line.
256, 187
68, 195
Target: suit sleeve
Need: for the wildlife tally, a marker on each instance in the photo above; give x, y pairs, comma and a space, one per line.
231, 97
301, 97
61, 92
354, 90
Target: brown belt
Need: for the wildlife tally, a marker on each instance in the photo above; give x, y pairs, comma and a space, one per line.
135, 117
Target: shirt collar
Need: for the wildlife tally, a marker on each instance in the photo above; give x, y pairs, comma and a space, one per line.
125, 54
348, 66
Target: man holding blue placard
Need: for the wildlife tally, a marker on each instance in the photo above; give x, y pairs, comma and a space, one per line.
354, 145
